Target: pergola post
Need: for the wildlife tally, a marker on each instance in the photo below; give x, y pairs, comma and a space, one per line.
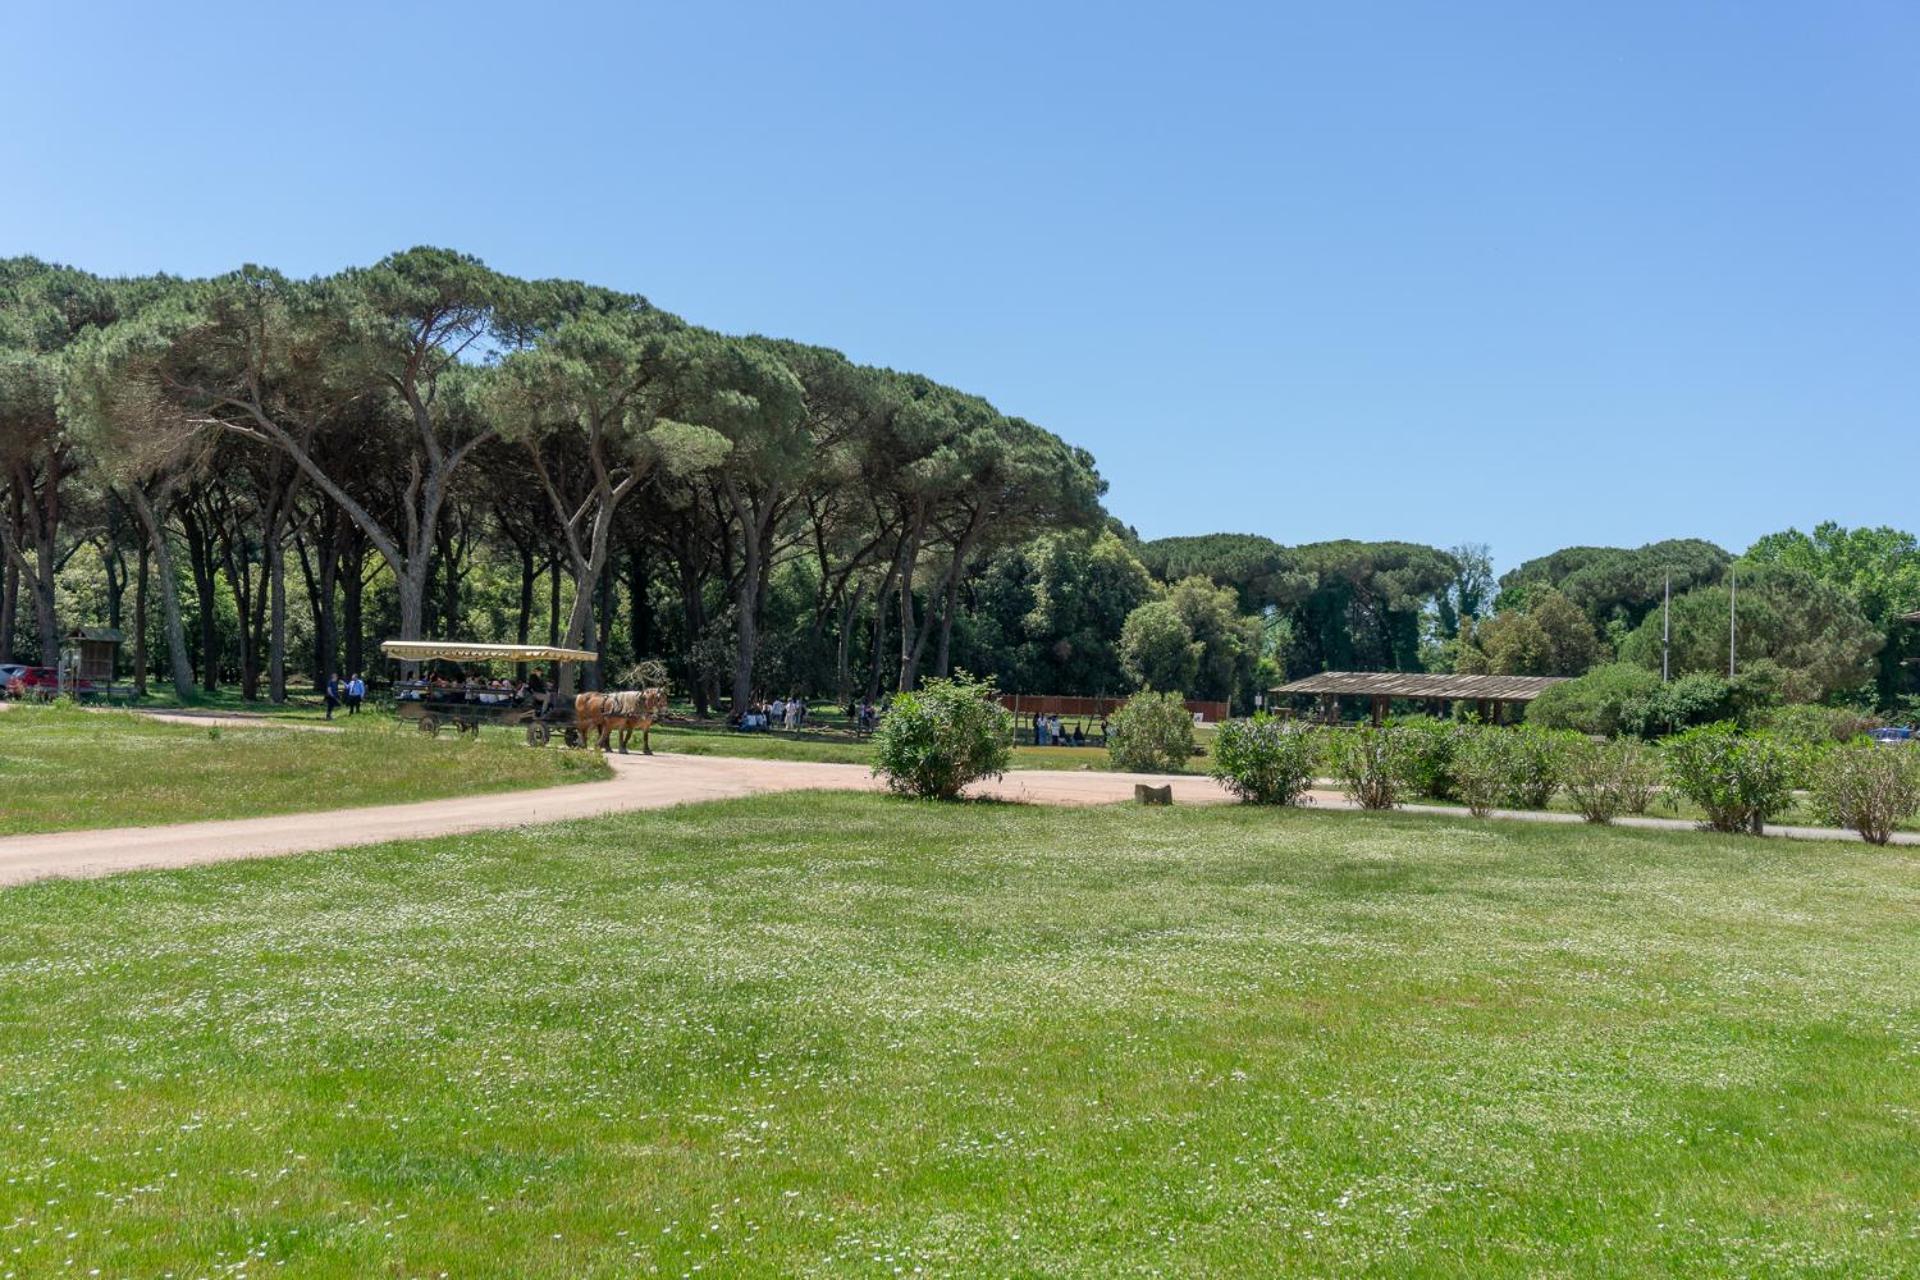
1379, 710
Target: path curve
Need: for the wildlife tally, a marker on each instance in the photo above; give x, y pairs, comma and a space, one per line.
655, 782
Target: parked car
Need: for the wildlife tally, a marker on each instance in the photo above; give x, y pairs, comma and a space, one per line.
8, 672
1893, 736
42, 684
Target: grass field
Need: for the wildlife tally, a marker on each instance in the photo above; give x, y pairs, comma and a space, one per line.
63, 769
846, 1035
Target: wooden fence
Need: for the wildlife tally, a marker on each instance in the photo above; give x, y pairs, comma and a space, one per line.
1028, 705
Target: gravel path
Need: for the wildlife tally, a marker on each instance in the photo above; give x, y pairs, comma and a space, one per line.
639, 782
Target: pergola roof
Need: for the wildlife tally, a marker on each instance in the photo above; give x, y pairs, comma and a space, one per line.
465, 651
1423, 684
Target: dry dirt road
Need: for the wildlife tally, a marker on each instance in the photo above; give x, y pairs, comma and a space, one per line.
639, 782
654, 782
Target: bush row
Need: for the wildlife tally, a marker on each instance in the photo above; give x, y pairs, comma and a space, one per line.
954, 732
1738, 780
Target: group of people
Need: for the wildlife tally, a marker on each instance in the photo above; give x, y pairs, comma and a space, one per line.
781, 713
483, 691
350, 692
1049, 732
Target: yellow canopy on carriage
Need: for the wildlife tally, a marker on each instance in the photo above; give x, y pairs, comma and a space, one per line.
466, 651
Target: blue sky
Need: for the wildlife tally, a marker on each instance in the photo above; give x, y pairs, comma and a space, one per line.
1526, 274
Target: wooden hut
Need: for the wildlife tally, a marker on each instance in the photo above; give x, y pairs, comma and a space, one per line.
94, 656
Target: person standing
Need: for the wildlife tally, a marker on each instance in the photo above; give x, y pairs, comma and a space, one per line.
332, 692
356, 694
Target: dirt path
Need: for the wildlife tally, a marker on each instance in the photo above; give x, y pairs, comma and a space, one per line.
238, 721
638, 783
225, 719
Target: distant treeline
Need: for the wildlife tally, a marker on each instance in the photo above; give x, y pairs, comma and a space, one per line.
259, 478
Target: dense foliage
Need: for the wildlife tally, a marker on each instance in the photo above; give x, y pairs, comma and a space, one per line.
1151, 733
1605, 779
1430, 746
1867, 788
1265, 760
936, 740
1740, 781
1370, 764
1812, 635
1481, 770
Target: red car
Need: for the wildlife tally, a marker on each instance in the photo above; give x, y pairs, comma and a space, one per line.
41, 684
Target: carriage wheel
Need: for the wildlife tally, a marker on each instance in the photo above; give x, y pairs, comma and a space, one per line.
430, 725
574, 739
537, 734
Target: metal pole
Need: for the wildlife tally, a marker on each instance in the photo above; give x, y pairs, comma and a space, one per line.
1666, 631
1733, 599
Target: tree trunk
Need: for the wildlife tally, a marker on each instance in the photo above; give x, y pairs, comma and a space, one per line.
169, 595
909, 629
9, 607
201, 560
639, 604
880, 632
693, 607
140, 621
238, 558
747, 603
553, 619
353, 597
321, 574
449, 584
524, 630
39, 524
277, 623
843, 654
115, 567
756, 531
951, 593
604, 648
10, 580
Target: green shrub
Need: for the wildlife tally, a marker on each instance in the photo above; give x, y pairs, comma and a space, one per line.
935, 741
1534, 758
1739, 780
1639, 775
1868, 788
1151, 733
1607, 701
1482, 769
1607, 779
1810, 726
1624, 698
1682, 703
1265, 760
1430, 746
1371, 765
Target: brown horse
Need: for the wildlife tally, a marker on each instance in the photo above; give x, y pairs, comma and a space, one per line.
599, 715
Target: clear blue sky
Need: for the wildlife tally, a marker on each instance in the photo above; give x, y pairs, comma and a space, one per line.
1518, 273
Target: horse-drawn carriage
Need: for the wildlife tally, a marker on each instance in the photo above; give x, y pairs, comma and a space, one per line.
436, 699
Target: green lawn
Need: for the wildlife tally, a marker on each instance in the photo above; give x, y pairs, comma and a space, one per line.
848, 1035
303, 702
62, 769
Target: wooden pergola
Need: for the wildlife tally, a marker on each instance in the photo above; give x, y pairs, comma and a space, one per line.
1491, 694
